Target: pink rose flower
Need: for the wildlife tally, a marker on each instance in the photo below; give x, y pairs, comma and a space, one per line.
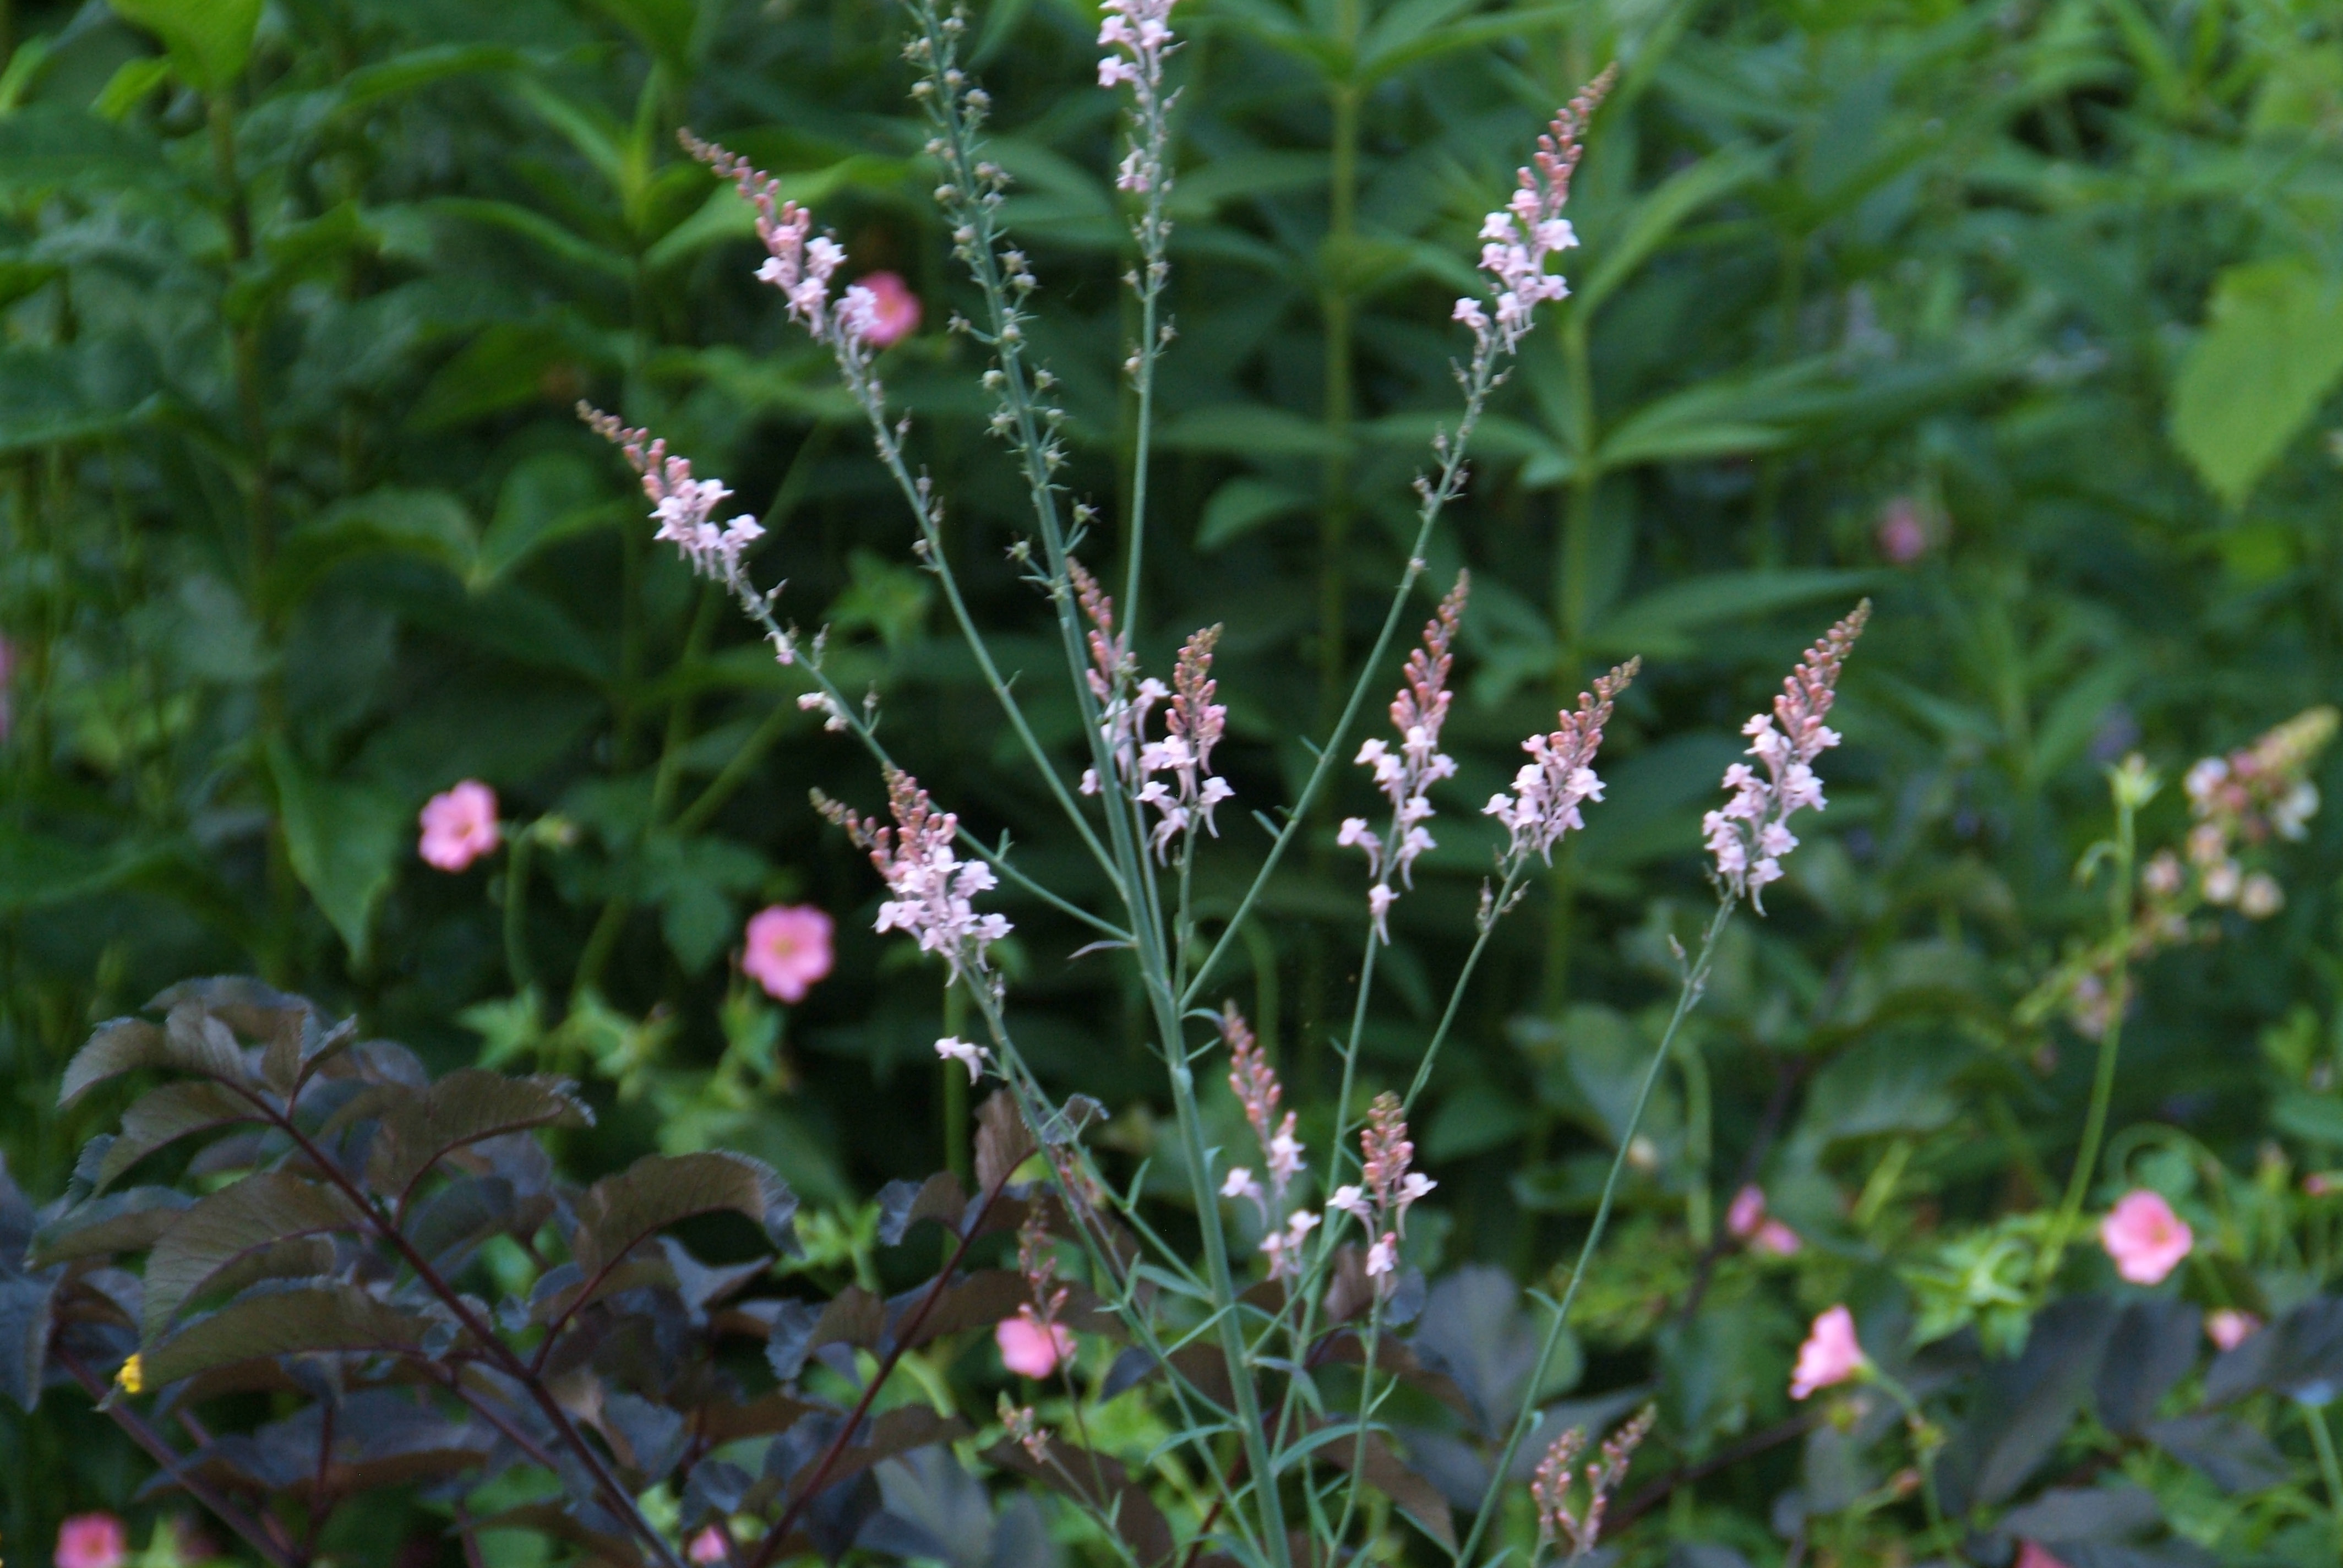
2228, 1327
1746, 1212
1777, 1238
1830, 1355
789, 950
1029, 1349
91, 1541
460, 826
2145, 1237
2032, 1554
894, 309
710, 1546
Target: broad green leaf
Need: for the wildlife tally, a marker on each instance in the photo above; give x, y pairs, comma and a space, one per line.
71, 392
664, 26
164, 1115
1661, 623
405, 73
463, 1107
530, 225
1386, 59
258, 1211
1242, 505
344, 838
547, 497
130, 86
1625, 243
1248, 430
278, 1320
126, 1221
2313, 1118
209, 40
509, 364
37, 870
722, 217
2271, 351
1239, 175
432, 525
620, 1212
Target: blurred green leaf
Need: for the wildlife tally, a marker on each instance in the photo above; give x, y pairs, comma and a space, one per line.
1242, 505
209, 40
344, 838
1661, 623
2271, 351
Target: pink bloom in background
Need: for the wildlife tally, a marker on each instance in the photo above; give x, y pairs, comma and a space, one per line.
1748, 1213
710, 1546
1029, 1347
789, 950
460, 826
2032, 1554
1831, 1354
2145, 1237
1777, 1238
1902, 535
894, 309
92, 1540
2228, 1327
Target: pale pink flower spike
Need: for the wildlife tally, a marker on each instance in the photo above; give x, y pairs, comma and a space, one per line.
460, 826
1518, 239
788, 950
1406, 775
1560, 774
2145, 1237
1831, 1354
932, 888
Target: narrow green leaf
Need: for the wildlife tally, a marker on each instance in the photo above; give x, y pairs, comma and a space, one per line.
1626, 244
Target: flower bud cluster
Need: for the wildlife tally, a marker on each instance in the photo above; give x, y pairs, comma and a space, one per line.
1387, 1189
1193, 722
800, 263
2243, 799
1750, 834
1552, 1489
1559, 776
1518, 238
684, 507
1137, 34
1406, 775
933, 890
1258, 1091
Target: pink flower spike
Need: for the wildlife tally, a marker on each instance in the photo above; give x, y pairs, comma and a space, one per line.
1830, 1356
1746, 1214
460, 826
2228, 1327
788, 950
710, 1546
894, 309
1030, 1349
92, 1540
2145, 1237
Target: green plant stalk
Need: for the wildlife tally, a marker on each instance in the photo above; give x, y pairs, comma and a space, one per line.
1696, 980
2330, 1473
516, 921
2103, 1077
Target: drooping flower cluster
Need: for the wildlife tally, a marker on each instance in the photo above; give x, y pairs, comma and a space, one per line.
1033, 1343
1551, 1489
1138, 36
1751, 833
1387, 1189
1193, 723
933, 890
684, 507
1559, 776
1518, 238
1406, 775
800, 263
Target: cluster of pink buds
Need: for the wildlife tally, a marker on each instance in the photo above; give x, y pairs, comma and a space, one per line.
799, 262
1517, 238
1193, 723
1033, 1343
932, 887
2245, 799
684, 508
1559, 776
1746, 1220
1406, 775
1387, 1189
1551, 1489
1024, 1428
1124, 700
1137, 35
1751, 833
1257, 1090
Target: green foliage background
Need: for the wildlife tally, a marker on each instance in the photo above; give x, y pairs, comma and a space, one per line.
300, 529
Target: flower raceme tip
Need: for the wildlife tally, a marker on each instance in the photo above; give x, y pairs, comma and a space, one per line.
460, 826
1519, 237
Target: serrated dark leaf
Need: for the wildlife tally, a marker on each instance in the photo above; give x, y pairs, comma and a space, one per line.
2233, 1455
620, 1212
27, 1314
1020, 1536
117, 1046
791, 1338
930, 1507
378, 1439
258, 1211
650, 1439
1134, 1366
1476, 1334
902, 1204
461, 1216
1003, 1142
274, 1320
978, 1301
2152, 1347
714, 1491
702, 1287
163, 1116
126, 1221
464, 1108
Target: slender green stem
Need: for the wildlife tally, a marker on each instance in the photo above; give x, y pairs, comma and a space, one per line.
1695, 981
516, 964
2330, 1473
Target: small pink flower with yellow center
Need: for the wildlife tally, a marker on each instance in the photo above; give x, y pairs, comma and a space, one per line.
893, 310
2145, 1237
460, 826
1830, 1356
789, 950
92, 1540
